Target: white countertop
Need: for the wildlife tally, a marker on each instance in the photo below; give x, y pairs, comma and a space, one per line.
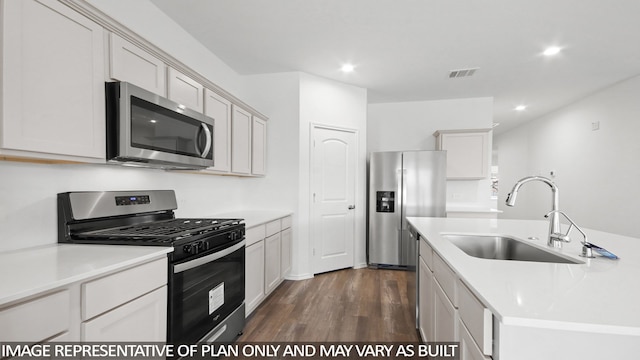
31, 271
477, 209
600, 295
254, 217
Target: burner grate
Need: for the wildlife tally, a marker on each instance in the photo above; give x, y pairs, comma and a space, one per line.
163, 229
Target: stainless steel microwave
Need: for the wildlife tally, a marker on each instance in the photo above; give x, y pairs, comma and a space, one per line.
146, 129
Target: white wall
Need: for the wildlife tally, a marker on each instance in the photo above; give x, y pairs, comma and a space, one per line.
28, 195
597, 172
278, 96
327, 102
410, 126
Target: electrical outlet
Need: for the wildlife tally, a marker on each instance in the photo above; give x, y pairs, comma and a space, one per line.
595, 126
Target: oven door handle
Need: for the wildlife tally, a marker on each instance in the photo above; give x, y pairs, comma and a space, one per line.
206, 259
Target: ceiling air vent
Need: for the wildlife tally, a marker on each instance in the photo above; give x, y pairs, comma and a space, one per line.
462, 73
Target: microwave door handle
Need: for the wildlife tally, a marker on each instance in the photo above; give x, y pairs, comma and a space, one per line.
207, 147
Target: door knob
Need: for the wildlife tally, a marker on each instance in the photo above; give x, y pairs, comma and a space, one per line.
351, 207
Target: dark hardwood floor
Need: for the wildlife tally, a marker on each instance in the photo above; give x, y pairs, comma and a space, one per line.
364, 305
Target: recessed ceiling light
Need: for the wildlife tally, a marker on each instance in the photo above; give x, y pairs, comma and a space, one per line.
550, 51
347, 68
520, 108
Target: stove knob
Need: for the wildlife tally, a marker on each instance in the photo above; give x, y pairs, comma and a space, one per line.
187, 249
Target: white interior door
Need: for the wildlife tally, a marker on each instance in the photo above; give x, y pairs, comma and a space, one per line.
333, 172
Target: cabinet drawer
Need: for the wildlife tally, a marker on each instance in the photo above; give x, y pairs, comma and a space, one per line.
286, 222
101, 295
254, 234
446, 278
36, 320
477, 318
427, 254
273, 227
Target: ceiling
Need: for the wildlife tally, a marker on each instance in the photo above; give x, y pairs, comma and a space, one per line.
403, 50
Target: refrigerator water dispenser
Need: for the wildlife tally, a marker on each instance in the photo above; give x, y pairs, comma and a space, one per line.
385, 201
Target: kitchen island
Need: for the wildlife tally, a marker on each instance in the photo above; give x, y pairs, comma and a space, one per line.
542, 310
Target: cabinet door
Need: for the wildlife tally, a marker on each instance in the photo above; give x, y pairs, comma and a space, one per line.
467, 154
184, 90
445, 315
131, 64
219, 108
426, 301
241, 141
272, 253
469, 350
254, 276
259, 147
52, 81
141, 320
286, 240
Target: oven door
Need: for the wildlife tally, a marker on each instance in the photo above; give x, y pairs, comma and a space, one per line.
204, 291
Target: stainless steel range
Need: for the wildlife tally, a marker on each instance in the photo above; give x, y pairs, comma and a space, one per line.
206, 268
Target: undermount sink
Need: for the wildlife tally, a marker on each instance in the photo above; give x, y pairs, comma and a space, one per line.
504, 248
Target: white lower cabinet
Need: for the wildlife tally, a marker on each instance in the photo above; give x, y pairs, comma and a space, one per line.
268, 259
477, 318
285, 259
254, 276
425, 303
469, 350
142, 320
128, 305
445, 316
448, 309
272, 256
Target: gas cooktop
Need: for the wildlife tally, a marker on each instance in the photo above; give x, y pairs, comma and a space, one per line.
138, 218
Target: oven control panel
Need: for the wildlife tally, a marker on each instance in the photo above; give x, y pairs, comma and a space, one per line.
132, 200
207, 243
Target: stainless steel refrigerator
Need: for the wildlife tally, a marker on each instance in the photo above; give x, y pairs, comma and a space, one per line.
401, 185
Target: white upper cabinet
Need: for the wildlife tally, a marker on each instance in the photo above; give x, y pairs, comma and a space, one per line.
241, 141
219, 108
468, 152
132, 64
184, 90
259, 146
52, 83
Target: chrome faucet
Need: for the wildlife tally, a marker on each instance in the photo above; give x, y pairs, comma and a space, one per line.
554, 221
587, 247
